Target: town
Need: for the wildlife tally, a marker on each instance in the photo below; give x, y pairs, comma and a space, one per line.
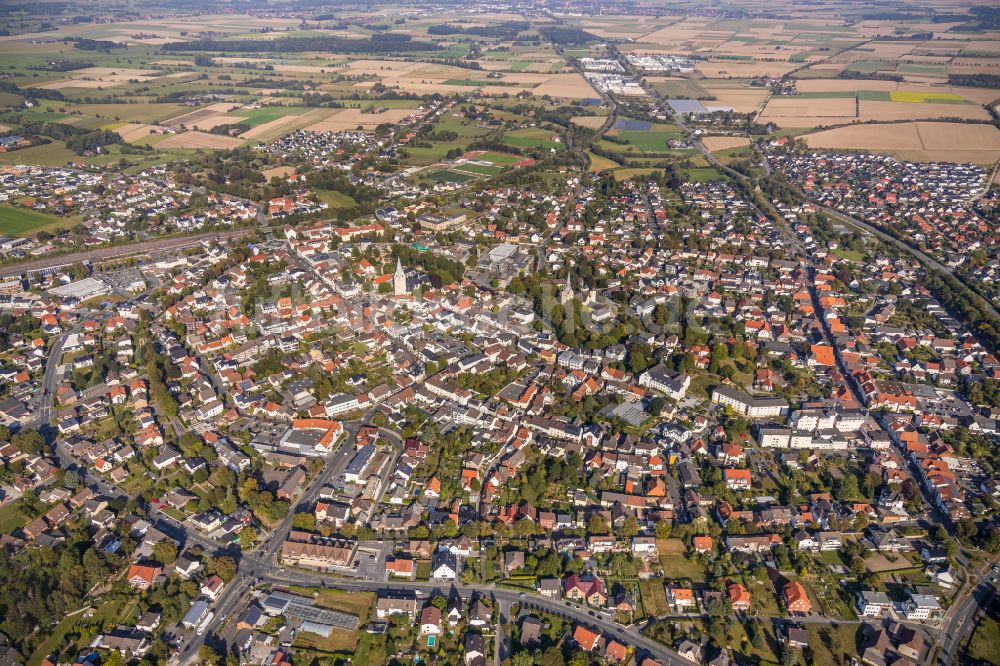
423, 382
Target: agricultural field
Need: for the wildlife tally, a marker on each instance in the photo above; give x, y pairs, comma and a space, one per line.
533, 138
636, 137
22, 221
979, 144
715, 143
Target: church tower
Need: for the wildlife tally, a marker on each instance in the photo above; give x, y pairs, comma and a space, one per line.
566, 295
399, 280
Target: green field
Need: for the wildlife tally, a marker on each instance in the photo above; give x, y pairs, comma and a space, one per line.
984, 644
531, 138
445, 176
36, 114
131, 113
675, 565
865, 66
49, 154
652, 140
927, 70
21, 221
681, 89
466, 82
599, 163
869, 95
499, 158
833, 645
632, 172
702, 175
11, 516
336, 199
419, 156
481, 170
9, 99
255, 117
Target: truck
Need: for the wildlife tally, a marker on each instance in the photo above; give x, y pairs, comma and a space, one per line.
204, 623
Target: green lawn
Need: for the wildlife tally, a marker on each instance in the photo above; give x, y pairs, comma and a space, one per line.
423, 569
12, 518
107, 615
336, 199
654, 597
984, 645
849, 255
702, 175
675, 564
22, 221
833, 645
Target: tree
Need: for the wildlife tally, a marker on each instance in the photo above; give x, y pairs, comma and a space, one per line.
208, 656
965, 529
165, 552
656, 405
629, 528
304, 521
115, 658
248, 537
30, 442
639, 357
598, 525
523, 658
222, 566
846, 487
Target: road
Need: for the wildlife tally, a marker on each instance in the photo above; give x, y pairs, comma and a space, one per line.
252, 566
960, 620
925, 259
131, 249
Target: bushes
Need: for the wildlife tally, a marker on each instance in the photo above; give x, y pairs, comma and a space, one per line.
93, 141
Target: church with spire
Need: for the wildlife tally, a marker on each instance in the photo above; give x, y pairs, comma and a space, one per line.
566, 295
399, 280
